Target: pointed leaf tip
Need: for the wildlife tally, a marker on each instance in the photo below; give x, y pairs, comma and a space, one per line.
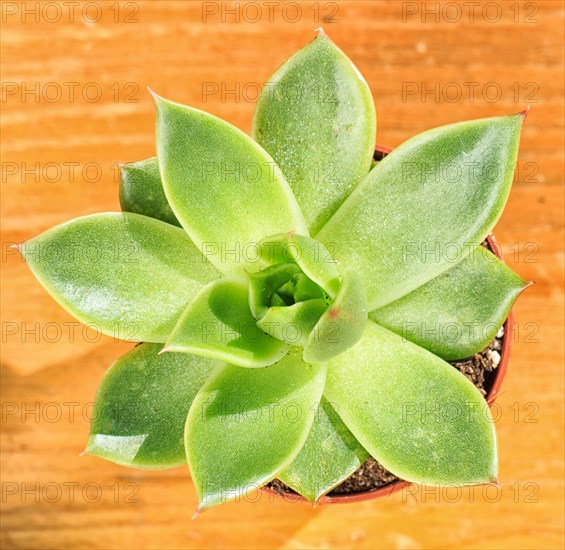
524, 113
154, 95
524, 285
321, 33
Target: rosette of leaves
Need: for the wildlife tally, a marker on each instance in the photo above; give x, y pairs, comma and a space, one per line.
275, 281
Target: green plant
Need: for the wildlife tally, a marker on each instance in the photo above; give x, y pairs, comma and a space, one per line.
275, 283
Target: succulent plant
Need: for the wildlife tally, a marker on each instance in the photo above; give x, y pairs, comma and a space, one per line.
274, 283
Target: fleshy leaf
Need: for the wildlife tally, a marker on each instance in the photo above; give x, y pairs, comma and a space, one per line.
306, 289
247, 425
317, 119
330, 455
218, 324
341, 326
263, 284
141, 407
141, 191
293, 324
128, 275
226, 191
413, 412
437, 195
459, 312
313, 258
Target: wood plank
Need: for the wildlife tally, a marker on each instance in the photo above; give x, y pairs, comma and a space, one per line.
182, 53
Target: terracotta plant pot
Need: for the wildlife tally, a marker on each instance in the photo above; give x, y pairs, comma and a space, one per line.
492, 388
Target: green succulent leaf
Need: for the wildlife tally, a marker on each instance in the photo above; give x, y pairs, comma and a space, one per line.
141, 191
343, 323
293, 324
312, 257
459, 312
218, 324
226, 191
412, 411
329, 456
246, 425
436, 195
264, 284
317, 119
128, 275
306, 289
141, 407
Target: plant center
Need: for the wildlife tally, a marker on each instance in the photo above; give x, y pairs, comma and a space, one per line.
302, 299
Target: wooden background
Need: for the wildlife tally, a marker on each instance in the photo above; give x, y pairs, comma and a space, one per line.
513, 51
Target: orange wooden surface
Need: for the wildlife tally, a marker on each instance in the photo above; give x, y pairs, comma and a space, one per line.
511, 51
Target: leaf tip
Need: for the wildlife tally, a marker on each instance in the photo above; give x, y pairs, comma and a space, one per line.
321, 32
87, 450
524, 113
154, 95
204, 504
19, 247
527, 284
157, 99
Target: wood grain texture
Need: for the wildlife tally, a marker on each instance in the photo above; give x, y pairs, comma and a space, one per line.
50, 367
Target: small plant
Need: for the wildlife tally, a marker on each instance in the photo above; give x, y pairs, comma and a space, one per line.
275, 284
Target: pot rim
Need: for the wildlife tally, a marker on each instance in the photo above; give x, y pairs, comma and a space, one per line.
381, 151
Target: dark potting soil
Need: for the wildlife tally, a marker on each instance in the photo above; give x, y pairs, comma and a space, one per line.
479, 369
